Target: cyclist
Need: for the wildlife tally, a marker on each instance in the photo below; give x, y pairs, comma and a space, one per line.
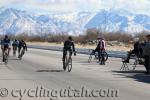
68, 46
22, 47
15, 45
5, 45
100, 49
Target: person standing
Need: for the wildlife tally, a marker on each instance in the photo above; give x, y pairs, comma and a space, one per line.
101, 49
146, 53
135, 50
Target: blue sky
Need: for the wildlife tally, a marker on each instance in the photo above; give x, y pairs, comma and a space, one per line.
135, 6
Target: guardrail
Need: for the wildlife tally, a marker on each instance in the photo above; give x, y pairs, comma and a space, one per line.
117, 54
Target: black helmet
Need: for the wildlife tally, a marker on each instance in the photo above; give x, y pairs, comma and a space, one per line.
22, 40
6, 36
70, 38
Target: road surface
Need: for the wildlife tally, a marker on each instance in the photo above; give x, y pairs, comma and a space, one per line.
39, 76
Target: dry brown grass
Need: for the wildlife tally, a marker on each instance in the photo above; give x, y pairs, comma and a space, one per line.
110, 48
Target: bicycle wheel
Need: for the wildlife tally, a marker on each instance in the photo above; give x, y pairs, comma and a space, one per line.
69, 65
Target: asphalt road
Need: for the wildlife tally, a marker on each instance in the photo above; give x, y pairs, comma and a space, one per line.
39, 76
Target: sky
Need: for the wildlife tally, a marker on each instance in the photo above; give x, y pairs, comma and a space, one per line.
134, 6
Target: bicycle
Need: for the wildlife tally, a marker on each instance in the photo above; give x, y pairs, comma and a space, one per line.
68, 61
96, 56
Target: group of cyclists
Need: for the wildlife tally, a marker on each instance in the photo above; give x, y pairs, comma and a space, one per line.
6, 45
69, 46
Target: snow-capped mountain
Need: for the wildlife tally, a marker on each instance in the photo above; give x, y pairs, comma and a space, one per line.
14, 21
119, 20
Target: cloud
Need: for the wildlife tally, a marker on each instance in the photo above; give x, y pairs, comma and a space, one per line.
53, 5
135, 6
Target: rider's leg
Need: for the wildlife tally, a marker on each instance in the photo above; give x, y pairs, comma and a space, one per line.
64, 58
9, 50
70, 53
15, 49
3, 50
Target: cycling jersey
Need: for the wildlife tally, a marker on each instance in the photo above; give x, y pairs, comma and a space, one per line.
22, 44
69, 46
15, 43
101, 46
5, 42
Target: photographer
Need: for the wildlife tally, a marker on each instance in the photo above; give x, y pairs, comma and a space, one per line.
146, 53
135, 51
101, 47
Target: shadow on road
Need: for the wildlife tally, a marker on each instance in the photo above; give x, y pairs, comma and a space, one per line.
126, 72
50, 71
14, 59
87, 63
136, 75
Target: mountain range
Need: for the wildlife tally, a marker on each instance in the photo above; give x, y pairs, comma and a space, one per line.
14, 21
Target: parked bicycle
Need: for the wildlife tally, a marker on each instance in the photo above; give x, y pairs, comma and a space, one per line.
95, 56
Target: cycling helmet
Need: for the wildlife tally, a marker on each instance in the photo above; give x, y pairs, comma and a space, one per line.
70, 38
6, 36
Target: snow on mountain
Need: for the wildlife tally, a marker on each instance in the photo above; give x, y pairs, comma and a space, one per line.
14, 21
119, 20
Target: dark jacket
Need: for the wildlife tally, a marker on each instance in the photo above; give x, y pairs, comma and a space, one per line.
69, 46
